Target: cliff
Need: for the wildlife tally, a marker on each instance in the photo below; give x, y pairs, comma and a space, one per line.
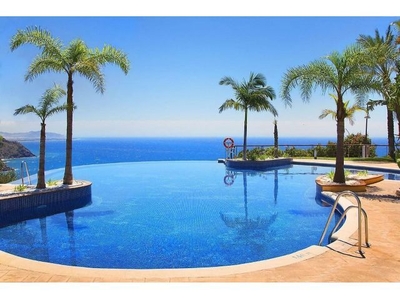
13, 149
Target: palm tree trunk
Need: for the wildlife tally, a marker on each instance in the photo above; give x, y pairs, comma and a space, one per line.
41, 184
68, 150
275, 139
339, 166
390, 128
245, 135
396, 112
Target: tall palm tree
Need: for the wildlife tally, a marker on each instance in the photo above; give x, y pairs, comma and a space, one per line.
382, 56
74, 59
337, 72
48, 106
349, 111
251, 95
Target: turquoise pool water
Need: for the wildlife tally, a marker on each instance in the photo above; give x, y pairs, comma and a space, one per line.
177, 214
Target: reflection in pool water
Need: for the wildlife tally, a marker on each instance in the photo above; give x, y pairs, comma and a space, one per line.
148, 215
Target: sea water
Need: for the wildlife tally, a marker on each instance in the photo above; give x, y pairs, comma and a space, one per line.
88, 151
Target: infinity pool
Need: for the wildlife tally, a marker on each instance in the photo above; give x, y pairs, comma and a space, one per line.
180, 214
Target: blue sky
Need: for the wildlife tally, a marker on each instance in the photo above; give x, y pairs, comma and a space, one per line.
177, 60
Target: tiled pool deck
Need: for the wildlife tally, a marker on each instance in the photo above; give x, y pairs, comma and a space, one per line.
340, 263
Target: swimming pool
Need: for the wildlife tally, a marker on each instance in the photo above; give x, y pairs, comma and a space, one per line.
177, 214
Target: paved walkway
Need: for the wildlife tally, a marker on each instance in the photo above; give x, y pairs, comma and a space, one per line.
381, 261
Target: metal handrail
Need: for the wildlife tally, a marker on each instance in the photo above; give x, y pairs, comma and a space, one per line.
24, 164
360, 210
342, 217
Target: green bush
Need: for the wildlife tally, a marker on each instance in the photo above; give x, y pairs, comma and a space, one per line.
51, 182
353, 145
20, 188
294, 152
8, 176
261, 153
328, 151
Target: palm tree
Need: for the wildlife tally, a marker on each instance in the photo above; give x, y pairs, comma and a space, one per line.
76, 58
47, 106
340, 73
250, 95
349, 111
382, 56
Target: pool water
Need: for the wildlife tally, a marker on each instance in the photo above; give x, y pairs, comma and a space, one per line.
177, 214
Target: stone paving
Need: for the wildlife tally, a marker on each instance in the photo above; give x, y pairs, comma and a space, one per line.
379, 263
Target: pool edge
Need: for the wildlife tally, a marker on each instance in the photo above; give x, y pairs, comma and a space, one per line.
342, 238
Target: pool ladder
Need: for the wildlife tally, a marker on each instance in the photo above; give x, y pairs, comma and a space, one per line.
24, 166
360, 211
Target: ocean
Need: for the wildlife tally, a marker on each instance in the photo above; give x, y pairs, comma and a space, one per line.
88, 151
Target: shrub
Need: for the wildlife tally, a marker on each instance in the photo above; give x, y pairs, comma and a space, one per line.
8, 176
362, 173
20, 188
294, 152
353, 145
259, 153
6, 173
51, 182
331, 174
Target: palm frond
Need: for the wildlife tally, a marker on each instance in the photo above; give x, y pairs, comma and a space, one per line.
230, 103
41, 65
227, 80
38, 37
48, 104
307, 78
94, 75
112, 55
327, 112
26, 109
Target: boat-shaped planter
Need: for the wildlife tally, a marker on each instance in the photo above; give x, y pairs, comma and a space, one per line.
354, 183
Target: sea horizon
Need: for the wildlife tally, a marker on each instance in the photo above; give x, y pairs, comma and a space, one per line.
105, 150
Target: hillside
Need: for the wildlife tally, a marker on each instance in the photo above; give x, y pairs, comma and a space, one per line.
13, 149
30, 136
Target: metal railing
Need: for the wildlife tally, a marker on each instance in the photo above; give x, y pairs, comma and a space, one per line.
380, 150
24, 167
360, 211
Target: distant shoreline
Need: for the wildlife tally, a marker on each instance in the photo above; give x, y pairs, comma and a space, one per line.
30, 136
